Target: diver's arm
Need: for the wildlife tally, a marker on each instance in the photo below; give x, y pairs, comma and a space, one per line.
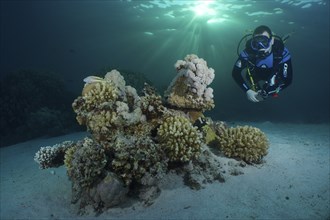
286, 74
282, 78
285, 70
239, 66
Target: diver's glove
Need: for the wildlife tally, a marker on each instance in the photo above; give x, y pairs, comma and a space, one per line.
252, 95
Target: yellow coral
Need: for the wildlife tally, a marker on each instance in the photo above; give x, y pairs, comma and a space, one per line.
180, 139
100, 123
194, 115
106, 105
102, 91
244, 142
210, 136
69, 156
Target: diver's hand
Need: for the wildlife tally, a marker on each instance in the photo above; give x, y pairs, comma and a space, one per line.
252, 95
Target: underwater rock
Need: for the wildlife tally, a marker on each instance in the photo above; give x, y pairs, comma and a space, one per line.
206, 169
111, 190
149, 194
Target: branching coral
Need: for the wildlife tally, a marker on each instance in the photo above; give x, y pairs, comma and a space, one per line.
189, 89
135, 158
151, 103
101, 122
244, 142
48, 156
86, 162
180, 139
209, 135
68, 156
99, 93
107, 104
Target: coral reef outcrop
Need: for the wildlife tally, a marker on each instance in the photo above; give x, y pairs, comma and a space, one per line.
137, 140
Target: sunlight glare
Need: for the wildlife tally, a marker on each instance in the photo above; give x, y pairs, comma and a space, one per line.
202, 8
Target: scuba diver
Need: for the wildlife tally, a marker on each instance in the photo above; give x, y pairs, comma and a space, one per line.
267, 62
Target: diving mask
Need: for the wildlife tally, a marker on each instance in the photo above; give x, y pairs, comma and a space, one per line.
261, 42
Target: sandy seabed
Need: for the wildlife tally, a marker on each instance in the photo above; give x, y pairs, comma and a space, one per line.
293, 183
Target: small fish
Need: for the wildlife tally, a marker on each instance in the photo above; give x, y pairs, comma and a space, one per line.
92, 79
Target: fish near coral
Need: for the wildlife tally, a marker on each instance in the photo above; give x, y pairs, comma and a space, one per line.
90, 82
92, 79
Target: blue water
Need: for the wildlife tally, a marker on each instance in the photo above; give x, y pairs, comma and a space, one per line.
75, 39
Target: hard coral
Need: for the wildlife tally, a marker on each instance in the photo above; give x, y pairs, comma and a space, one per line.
100, 92
180, 139
189, 89
68, 157
86, 163
136, 158
101, 123
136, 140
53, 156
107, 105
210, 136
151, 103
244, 142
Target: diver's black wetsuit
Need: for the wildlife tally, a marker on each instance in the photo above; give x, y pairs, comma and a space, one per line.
271, 73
